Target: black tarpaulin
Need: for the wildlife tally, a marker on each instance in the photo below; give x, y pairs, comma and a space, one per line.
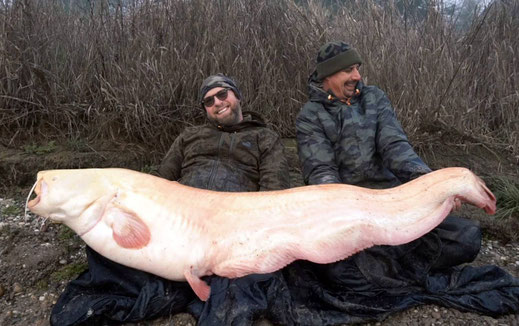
367, 286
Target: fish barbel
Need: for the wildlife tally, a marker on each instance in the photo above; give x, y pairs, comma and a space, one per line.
184, 233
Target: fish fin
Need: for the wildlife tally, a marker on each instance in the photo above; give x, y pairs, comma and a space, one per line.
272, 257
201, 289
128, 229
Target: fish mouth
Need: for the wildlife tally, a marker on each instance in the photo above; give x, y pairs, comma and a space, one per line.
33, 202
37, 188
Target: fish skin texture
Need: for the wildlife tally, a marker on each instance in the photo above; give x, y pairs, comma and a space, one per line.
183, 233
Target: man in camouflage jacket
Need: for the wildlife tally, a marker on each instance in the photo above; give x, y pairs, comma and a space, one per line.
234, 151
348, 132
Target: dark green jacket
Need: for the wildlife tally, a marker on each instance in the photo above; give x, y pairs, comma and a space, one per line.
244, 157
360, 143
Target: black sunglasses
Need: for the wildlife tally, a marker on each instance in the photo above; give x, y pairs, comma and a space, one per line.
221, 95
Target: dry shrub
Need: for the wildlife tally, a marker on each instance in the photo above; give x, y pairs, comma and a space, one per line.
131, 73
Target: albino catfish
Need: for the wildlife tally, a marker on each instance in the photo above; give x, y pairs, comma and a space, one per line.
183, 233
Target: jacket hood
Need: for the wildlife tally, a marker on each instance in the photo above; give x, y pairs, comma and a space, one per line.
316, 93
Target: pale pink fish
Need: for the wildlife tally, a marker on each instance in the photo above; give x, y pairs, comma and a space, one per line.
184, 233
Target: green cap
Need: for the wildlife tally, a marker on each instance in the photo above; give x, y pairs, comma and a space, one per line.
334, 57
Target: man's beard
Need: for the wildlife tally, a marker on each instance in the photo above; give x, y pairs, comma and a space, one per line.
229, 120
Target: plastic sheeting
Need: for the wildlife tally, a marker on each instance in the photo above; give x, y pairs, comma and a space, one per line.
368, 286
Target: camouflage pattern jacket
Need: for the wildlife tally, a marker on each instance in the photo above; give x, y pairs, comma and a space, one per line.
360, 142
244, 157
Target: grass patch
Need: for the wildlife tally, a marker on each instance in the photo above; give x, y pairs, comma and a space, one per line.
11, 211
40, 149
65, 233
77, 144
68, 272
507, 194
42, 285
149, 169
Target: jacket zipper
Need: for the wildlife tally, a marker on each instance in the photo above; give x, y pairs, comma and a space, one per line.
212, 175
231, 147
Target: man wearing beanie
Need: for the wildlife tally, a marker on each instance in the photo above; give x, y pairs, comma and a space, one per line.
234, 151
348, 132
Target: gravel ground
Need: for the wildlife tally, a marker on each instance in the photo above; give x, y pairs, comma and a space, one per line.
37, 260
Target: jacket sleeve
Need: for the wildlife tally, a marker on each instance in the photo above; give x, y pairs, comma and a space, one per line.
315, 150
171, 164
394, 147
273, 165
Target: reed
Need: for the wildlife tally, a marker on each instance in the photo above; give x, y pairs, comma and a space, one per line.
109, 72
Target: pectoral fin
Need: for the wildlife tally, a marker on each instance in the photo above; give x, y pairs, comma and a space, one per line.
201, 289
128, 229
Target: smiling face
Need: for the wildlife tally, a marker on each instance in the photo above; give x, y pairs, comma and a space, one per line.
343, 82
225, 112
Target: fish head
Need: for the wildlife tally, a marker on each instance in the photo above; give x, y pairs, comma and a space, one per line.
65, 194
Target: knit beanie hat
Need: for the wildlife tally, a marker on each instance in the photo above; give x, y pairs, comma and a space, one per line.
218, 80
335, 56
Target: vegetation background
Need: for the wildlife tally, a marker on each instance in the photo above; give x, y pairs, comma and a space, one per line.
129, 70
